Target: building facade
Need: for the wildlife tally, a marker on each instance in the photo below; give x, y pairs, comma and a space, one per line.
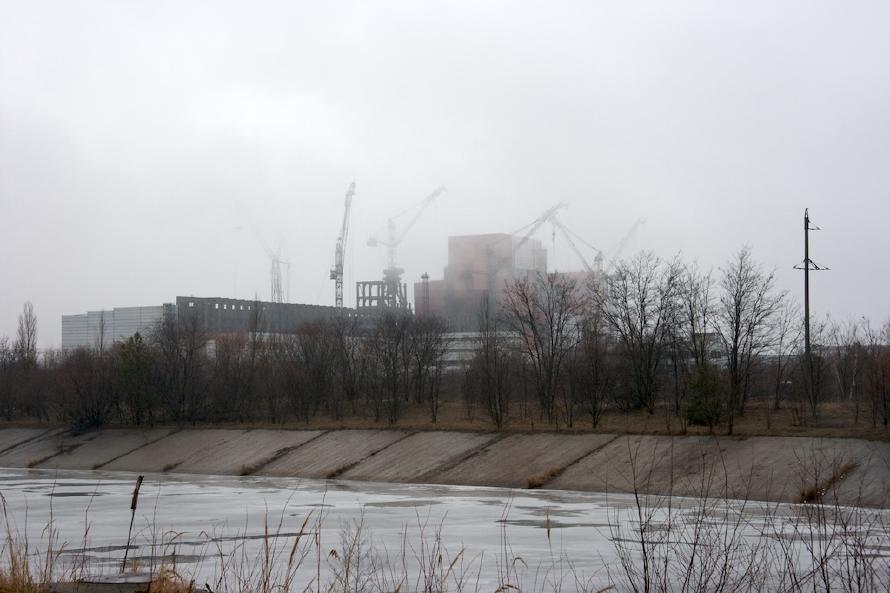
478, 265
97, 329
213, 315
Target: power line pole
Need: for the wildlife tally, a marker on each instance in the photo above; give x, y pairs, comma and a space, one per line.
806, 266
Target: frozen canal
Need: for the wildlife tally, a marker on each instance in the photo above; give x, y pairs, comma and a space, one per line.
203, 521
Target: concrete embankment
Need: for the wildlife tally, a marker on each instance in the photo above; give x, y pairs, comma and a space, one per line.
785, 469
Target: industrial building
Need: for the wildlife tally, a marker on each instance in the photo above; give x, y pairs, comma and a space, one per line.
97, 328
477, 265
214, 315
218, 315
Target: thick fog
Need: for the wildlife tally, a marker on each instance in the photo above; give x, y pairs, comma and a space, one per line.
141, 141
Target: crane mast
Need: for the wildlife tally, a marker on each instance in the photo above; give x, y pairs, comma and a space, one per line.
340, 249
392, 275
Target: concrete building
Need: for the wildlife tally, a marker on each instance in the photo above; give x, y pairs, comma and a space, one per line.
477, 265
214, 315
219, 315
102, 328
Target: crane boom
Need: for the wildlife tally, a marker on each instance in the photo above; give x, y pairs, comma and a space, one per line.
340, 249
616, 252
568, 237
276, 260
538, 222
424, 204
532, 228
392, 275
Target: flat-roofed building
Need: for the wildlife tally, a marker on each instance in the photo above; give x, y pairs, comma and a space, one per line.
95, 329
214, 316
478, 265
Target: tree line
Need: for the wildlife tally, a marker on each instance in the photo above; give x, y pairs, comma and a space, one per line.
663, 337
179, 373
666, 337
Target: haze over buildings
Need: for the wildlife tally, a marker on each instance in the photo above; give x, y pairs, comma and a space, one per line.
130, 132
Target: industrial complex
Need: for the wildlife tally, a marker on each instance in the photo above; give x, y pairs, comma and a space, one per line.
477, 265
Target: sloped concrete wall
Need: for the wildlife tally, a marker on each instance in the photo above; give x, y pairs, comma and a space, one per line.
850, 471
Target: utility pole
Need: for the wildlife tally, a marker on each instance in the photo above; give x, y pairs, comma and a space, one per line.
806, 266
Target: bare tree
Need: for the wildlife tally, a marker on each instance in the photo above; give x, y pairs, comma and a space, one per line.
811, 374
87, 389
877, 372
696, 311
746, 306
7, 379
637, 302
181, 343
350, 359
237, 357
847, 361
428, 344
488, 374
25, 346
545, 313
275, 376
390, 364
134, 381
590, 375
786, 334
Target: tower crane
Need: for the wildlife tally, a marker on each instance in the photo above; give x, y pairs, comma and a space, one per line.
392, 275
528, 230
340, 249
278, 294
568, 235
616, 251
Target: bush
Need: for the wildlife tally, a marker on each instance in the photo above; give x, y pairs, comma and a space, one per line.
704, 407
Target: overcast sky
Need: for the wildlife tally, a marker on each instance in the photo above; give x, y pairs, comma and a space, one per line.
138, 139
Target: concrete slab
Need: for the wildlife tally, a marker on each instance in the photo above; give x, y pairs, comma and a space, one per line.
755, 468
31, 453
512, 461
332, 453
868, 484
247, 453
650, 463
174, 450
849, 471
11, 437
411, 459
105, 447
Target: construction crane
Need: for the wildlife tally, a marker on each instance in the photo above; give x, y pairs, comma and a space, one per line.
568, 235
528, 230
537, 223
278, 293
340, 249
572, 238
392, 275
616, 251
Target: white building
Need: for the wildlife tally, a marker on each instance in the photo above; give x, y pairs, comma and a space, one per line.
106, 327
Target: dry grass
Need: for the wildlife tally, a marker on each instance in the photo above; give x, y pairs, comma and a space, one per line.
336, 473
17, 576
249, 469
837, 420
540, 480
169, 581
817, 491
